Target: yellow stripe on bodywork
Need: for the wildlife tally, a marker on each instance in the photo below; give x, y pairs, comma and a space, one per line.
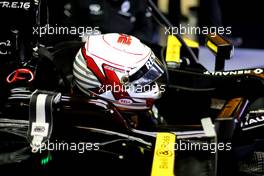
173, 49
230, 108
164, 156
212, 46
173, 53
191, 43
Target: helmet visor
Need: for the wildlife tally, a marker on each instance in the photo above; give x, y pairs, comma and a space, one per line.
150, 72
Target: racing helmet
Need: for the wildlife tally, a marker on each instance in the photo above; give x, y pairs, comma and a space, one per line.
119, 68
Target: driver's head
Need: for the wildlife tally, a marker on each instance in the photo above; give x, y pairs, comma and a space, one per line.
119, 68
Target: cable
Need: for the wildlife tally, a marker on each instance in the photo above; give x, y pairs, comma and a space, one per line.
165, 65
192, 89
47, 8
168, 24
153, 6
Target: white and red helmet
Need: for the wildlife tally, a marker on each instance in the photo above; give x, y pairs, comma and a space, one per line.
119, 68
